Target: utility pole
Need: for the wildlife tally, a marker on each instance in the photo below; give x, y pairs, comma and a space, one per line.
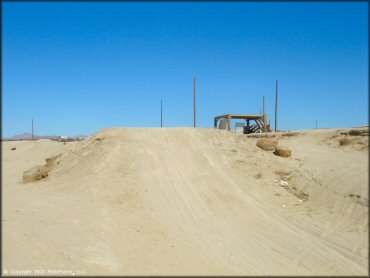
161, 115
276, 105
195, 103
264, 115
32, 129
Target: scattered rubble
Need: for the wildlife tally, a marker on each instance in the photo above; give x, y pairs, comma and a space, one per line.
284, 183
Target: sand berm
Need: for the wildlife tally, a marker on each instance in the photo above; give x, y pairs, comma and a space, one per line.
184, 201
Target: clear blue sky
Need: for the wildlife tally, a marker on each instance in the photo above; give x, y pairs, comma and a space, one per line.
80, 67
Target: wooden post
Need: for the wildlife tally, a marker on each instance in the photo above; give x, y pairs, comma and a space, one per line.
195, 103
215, 122
161, 115
229, 122
264, 115
265, 122
276, 105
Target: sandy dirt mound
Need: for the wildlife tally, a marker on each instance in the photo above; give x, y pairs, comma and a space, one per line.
186, 201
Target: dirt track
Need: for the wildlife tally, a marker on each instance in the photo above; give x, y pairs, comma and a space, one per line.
185, 202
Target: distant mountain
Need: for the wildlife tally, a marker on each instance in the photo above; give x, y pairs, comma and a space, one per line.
28, 136
80, 136
23, 136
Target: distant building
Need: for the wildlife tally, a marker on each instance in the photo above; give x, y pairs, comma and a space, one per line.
63, 137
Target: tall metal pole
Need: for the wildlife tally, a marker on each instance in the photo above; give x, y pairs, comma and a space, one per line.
161, 115
264, 115
276, 105
195, 103
32, 129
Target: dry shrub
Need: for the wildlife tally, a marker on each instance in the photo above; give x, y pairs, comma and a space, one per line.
301, 195
290, 134
286, 178
334, 136
346, 141
284, 175
259, 175
266, 144
355, 132
283, 152
354, 195
261, 135
359, 142
359, 132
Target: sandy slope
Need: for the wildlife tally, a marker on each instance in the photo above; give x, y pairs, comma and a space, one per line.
186, 202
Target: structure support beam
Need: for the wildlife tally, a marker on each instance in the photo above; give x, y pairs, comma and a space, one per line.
229, 123
265, 122
264, 115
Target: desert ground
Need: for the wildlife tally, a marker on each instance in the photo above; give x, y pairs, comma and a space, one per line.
184, 201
